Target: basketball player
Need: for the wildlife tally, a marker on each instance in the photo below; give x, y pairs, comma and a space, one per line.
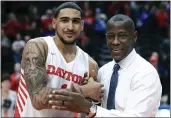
53, 63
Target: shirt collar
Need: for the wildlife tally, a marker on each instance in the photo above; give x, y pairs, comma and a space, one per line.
124, 63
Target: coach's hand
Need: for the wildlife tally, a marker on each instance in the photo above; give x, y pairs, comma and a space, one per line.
71, 100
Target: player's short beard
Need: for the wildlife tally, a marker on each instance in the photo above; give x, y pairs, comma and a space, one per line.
65, 42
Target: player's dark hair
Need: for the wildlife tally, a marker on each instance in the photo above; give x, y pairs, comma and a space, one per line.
68, 5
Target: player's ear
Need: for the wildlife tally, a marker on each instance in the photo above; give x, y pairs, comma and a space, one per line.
54, 23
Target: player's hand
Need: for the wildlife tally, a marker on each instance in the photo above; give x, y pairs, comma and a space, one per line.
85, 79
71, 100
93, 90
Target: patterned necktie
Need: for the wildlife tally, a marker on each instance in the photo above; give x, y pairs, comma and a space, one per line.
112, 89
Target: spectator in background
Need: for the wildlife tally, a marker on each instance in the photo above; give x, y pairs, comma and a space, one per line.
27, 38
99, 36
35, 21
154, 60
50, 31
33, 13
127, 10
47, 19
144, 15
6, 53
162, 18
33, 30
17, 47
24, 23
165, 62
113, 8
163, 73
15, 77
83, 41
88, 12
8, 97
147, 23
88, 19
153, 9
11, 26
100, 23
5, 42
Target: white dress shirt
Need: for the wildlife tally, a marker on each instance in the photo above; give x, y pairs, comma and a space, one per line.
138, 92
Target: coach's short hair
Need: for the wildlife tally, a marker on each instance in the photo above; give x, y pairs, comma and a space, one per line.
68, 5
122, 17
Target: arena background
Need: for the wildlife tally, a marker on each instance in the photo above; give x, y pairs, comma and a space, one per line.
23, 20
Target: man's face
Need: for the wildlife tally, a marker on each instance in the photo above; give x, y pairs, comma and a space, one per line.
6, 85
120, 39
68, 25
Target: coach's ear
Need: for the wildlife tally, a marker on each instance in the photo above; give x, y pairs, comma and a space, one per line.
54, 23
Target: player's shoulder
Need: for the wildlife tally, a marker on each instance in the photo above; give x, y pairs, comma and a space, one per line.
39, 41
38, 44
91, 60
36, 40
93, 65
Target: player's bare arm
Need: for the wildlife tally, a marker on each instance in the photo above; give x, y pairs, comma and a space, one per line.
93, 66
33, 64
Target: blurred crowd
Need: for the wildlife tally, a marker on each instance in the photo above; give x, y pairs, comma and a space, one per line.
23, 21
